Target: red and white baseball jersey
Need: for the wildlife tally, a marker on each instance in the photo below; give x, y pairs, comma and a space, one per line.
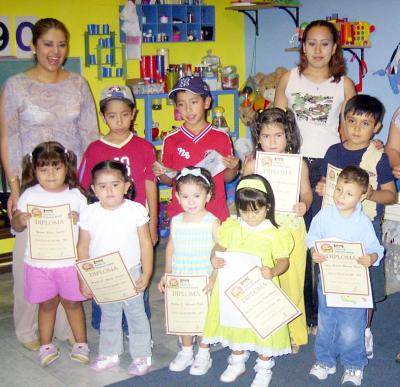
182, 148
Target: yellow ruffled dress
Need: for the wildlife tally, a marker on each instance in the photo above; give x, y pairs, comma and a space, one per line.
269, 243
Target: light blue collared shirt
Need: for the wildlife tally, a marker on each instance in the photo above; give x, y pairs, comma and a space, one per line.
329, 223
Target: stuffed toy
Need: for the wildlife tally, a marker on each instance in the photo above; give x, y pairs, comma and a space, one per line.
260, 95
267, 83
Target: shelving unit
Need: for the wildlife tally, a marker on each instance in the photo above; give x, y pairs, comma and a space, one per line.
101, 53
177, 23
292, 9
148, 112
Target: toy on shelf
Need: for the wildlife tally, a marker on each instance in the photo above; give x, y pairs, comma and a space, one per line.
352, 33
219, 120
258, 94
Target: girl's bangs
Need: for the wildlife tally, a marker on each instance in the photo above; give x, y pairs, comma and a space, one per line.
53, 159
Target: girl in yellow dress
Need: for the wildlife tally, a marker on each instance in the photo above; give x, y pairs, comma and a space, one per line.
254, 232
275, 130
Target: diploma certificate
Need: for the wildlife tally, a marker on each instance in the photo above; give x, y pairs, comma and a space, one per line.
332, 174
108, 278
341, 273
263, 304
283, 171
186, 304
50, 232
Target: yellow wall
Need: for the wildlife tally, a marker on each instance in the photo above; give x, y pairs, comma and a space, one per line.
76, 14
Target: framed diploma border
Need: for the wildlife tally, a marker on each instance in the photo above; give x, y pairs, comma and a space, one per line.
50, 233
283, 172
341, 274
108, 278
186, 304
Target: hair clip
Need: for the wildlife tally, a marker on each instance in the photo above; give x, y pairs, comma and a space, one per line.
194, 172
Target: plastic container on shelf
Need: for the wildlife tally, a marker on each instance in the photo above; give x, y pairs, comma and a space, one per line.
230, 78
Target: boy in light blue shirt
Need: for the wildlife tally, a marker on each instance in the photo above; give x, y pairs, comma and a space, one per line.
341, 330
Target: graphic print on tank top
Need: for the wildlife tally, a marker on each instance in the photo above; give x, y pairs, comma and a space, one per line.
312, 108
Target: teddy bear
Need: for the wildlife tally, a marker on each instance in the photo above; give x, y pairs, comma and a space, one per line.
260, 95
267, 83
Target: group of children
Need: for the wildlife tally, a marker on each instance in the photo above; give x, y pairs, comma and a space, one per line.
200, 227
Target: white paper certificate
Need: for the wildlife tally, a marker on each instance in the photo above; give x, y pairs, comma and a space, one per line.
50, 232
332, 174
283, 171
186, 304
236, 266
108, 278
212, 162
341, 273
263, 304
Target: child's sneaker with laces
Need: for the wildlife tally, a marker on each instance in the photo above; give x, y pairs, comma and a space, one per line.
140, 366
369, 343
104, 363
353, 377
80, 353
182, 360
47, 354
321, 372
201, 365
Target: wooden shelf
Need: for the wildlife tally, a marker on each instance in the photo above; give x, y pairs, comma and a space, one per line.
256, 6
262, 5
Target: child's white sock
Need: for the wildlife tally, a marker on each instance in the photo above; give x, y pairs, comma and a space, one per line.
203, 352
187, 350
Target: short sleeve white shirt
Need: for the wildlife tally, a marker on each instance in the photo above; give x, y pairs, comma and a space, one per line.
36, 195
115, 230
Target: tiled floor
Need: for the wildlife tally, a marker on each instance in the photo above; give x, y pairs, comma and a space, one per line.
19, 367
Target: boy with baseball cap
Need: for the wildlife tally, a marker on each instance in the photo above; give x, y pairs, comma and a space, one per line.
190, 143
117, 110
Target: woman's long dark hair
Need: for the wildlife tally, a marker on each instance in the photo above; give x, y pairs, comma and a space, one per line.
337, 64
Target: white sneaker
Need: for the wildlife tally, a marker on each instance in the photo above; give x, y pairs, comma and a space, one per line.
263, 373
352, 376
262, 379
201, 365
369, 343
236, 367
181, 362
321, 372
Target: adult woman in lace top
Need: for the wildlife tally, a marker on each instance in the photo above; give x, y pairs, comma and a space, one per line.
44, 103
